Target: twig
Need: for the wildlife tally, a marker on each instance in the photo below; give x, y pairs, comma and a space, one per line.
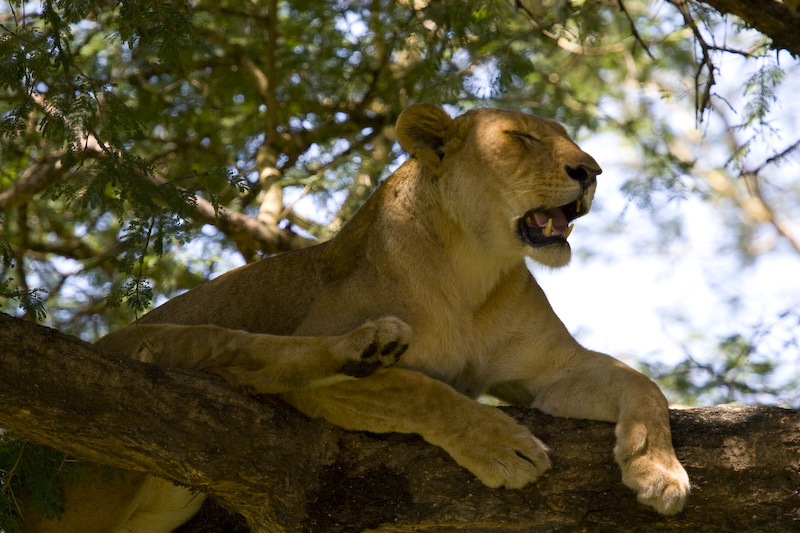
777, 157
10, 474
635, 32
19, 262
702, 98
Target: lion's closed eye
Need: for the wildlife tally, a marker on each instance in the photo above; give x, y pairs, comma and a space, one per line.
527, 137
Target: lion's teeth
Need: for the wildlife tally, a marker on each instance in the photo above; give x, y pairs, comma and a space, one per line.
548, 229
578, 206
529, 221
569, 230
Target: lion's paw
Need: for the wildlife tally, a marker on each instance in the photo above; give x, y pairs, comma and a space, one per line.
374, 346
502, 453
663, 486
656, 475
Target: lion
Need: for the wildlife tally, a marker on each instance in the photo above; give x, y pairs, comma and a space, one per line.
421, 304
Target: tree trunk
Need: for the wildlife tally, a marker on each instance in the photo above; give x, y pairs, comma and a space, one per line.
283, 472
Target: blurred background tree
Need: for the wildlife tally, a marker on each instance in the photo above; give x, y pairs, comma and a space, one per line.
149, 145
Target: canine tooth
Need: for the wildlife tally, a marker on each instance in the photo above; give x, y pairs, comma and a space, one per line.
578, 205
548, 229
569, 230
529, 221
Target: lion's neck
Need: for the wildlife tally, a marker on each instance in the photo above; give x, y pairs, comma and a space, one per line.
428, 248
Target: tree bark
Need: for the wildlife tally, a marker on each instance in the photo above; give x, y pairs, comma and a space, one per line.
773, 18
284, 472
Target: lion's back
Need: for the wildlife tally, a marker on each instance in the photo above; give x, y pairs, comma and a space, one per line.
272, 295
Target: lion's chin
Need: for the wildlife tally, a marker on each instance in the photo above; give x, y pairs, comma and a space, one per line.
553, 256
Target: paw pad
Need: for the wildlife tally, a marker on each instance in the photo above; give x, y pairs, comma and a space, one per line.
375, 345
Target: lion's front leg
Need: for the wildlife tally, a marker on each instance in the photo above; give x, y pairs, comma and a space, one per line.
371, 347
267, 364
482, 439
647, 460
596, 386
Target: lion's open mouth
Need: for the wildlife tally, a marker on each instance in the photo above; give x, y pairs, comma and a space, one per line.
541, 227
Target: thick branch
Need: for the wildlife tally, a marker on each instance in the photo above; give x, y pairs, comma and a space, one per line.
285, 472
186, 426
34, 180
773, 18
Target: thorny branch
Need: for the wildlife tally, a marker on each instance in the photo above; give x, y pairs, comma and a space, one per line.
702, 88
571, 46
246, 231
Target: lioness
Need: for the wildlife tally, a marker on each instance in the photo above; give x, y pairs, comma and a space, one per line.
439, 247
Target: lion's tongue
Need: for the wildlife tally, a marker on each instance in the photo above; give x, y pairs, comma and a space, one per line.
560, 223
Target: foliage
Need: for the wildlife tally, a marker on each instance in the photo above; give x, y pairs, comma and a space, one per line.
34, 474
743, 370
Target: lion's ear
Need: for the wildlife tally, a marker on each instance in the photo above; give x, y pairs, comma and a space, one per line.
422, 131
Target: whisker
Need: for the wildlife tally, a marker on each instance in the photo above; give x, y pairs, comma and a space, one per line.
517, 188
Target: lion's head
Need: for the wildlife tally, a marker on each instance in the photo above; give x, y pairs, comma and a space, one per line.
514, 180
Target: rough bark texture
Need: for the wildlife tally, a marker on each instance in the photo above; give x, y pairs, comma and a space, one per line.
285, 472
774, 19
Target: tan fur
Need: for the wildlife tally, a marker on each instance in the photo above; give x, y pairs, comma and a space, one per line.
437, 247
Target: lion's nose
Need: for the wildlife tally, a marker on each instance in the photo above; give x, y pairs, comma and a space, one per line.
582, 174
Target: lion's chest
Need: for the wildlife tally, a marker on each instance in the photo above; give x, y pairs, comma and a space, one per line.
454, 352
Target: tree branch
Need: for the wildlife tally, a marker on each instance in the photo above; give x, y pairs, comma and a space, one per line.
285, 472
186, 426
247, 232
634, 30
43, 174
745, 191
702, 89
773, 18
